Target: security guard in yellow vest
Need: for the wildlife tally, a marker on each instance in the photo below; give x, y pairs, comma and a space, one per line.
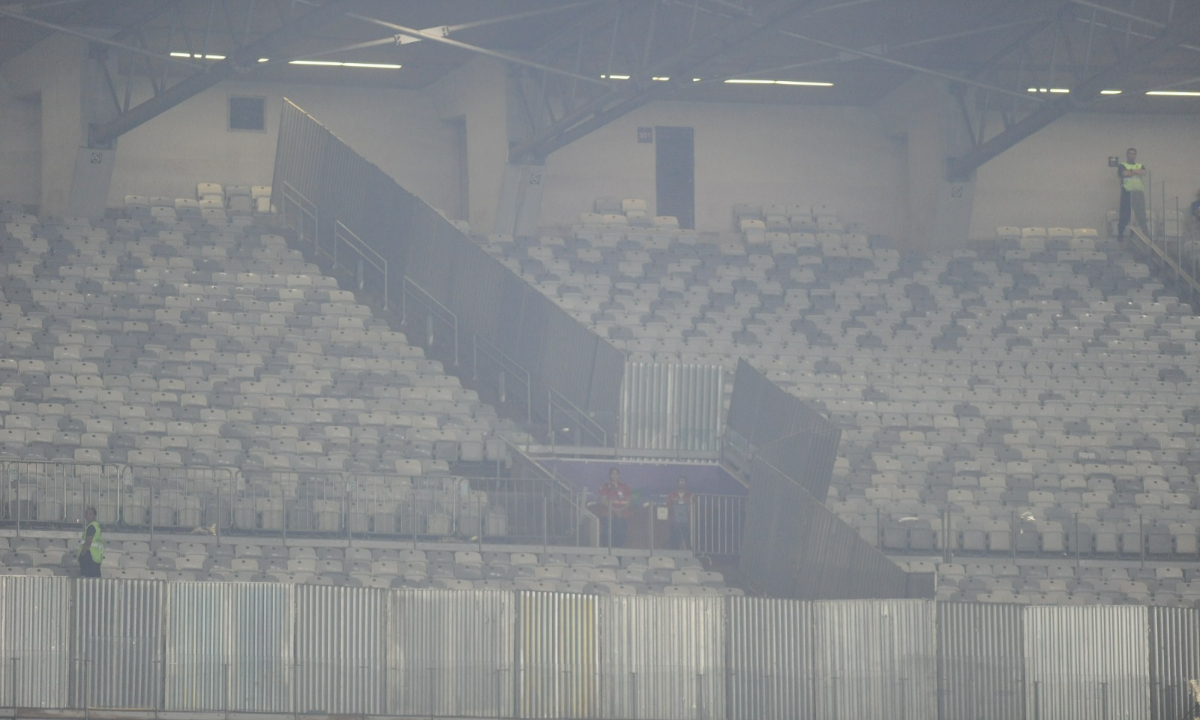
91, 546
1133, 192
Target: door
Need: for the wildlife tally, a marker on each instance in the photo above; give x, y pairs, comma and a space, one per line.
675, 174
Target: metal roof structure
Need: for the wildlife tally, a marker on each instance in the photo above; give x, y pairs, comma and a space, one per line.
579, 64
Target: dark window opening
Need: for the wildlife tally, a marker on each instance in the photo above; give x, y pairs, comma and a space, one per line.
247, 113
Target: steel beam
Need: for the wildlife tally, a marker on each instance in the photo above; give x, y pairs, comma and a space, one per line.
617, 102
242, 60
4, 12
961, 167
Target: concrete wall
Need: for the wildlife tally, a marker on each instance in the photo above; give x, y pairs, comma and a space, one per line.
397, 130
744, 153
1059, 177
477, 92
52, 72
20, 146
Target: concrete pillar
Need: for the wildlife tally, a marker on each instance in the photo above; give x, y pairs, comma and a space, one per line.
923, 112
477, 92
57, 71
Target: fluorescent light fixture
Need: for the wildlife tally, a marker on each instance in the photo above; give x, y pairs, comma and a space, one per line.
380, 66
695, 79
614, 77
1049, 90
800, 83
1175, 93
264, 59
661, 79
1110, 92
198, 56
338, 63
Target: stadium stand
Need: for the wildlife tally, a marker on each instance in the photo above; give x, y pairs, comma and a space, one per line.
376, 564
1034, 392
188, 344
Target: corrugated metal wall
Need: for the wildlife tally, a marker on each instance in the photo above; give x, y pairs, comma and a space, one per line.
355, 651
875, 660
340, 652
229, 647
1174, 659
1087, 663
671, 406
35, 648
981, 661
450, 653
770, 659
558, 655
118, 626
662, 657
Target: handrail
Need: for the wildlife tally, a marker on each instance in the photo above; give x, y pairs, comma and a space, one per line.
1180, 273
305, 206
409, 288
557, 399
507, 364
365, 252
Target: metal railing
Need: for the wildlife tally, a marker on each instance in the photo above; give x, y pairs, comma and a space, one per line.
363, 256
713, 525
300, 214
506, 370
1022, 533
56, 492
584, 429
435, 311
216, 501
1172, 239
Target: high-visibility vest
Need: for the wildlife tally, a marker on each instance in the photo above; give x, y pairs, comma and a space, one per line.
1132, 183
97, 546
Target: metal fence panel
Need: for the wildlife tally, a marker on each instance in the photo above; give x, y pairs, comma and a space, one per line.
36, 641
57, 492
981, 661
450, 653
787, 432
340, 650
1084, 663
875, 660
118, 630
332, 183
770, 659
662, 657
794, 546
229, 647
1174, 659
671, 406
557, 655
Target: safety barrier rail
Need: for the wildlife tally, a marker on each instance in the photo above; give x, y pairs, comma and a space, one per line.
301, 215
506, 370
580, 427
361, 257
435, 311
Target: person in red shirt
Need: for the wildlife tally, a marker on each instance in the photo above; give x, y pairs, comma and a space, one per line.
679, 513
614, 498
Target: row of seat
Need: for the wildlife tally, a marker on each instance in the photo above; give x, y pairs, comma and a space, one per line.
1008, 377
379, 566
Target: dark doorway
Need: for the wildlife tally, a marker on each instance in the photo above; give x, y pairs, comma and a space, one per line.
675, 173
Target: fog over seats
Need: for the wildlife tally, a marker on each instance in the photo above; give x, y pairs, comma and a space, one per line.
1028, 385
